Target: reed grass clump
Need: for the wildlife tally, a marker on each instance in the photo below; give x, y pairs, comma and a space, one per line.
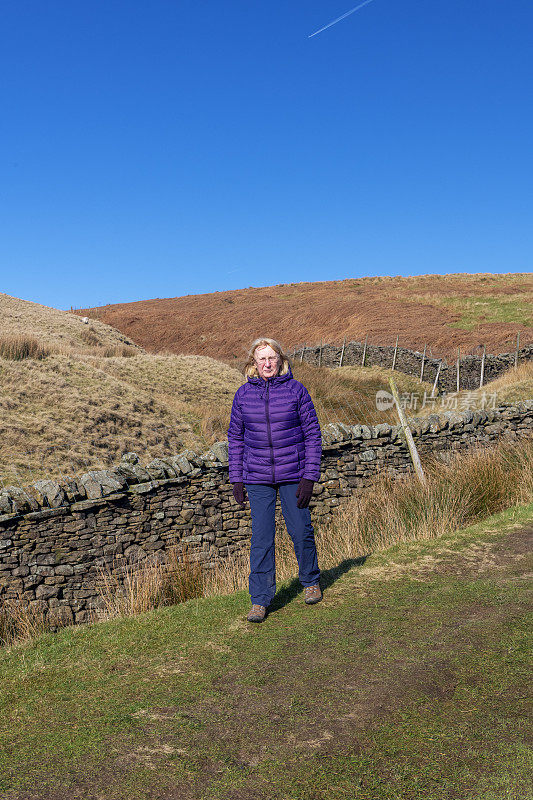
129, 589
20, 622
89, 337
466, 490
18, 348
119, 351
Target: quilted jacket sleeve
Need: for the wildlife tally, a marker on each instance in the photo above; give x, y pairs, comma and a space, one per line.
312, 435
235, 442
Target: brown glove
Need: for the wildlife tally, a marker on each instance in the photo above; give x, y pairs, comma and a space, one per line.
304, 492
239, 493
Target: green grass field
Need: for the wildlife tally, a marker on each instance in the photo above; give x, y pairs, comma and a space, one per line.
410, 680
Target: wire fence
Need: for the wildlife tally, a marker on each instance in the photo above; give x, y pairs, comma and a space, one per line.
520, 341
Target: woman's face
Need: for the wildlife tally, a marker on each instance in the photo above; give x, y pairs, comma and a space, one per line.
267, 361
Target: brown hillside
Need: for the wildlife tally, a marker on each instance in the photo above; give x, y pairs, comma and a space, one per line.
444, 311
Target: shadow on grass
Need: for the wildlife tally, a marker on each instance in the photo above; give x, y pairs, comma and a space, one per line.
327, 579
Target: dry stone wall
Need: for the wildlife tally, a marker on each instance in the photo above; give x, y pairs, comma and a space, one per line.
54, 539
410, 362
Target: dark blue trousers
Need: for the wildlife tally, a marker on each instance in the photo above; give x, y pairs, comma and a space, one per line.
262, 497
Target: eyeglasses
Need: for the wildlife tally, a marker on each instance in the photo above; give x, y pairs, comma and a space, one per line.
265, 360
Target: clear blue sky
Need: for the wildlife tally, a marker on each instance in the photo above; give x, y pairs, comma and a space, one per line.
172, 147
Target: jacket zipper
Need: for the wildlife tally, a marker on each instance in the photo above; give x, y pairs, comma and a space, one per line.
270, 435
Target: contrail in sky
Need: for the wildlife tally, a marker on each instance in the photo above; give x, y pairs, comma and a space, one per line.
334, 22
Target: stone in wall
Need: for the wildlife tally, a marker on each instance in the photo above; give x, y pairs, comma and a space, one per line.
50, 494
98, 483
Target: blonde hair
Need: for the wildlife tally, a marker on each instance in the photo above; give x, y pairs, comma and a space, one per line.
250, 368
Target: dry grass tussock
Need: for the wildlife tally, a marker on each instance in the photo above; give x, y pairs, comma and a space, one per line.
19, 622
464, 491
17, 348
131, 589
124, 590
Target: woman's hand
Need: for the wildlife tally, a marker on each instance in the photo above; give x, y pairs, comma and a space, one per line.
304, 492
239, 493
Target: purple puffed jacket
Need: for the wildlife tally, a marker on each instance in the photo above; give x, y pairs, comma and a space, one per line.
274, 434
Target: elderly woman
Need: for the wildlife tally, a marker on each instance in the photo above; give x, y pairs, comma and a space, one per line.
275, 445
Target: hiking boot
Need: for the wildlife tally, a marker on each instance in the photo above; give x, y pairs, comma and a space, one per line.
313, 594
257, 613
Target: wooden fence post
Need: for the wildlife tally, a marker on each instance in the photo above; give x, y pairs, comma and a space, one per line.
320, 354
342, 351
517, 346
482, 366
436, 378
395, 351
458, 359
415, 458
423, 362
364, 351
302, 352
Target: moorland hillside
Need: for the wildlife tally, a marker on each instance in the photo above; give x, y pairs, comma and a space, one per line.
444, 311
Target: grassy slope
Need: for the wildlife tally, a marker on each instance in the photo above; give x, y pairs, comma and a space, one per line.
55, 328
444, 311
79, 408
409, 680
70, 413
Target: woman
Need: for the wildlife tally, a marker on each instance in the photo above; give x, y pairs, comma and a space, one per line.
275, 445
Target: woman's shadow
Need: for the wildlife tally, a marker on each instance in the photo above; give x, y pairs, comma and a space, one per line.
327, 578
